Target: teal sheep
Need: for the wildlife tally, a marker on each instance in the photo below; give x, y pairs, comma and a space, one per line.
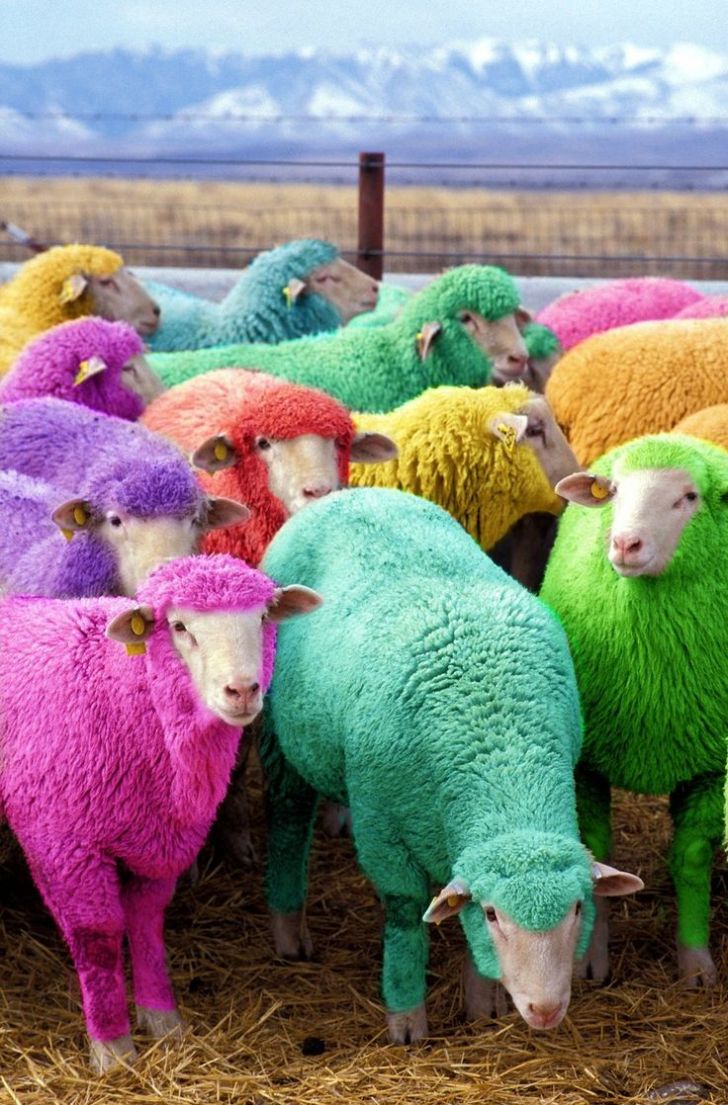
449, 333
302, 287
437, 698
640, 587
390, 301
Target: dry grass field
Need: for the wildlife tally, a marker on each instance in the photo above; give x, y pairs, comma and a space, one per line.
206, 223
263, 1032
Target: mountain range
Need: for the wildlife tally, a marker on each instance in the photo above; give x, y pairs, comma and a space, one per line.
483, 101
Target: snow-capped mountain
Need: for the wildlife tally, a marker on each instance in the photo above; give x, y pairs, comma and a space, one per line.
463, 100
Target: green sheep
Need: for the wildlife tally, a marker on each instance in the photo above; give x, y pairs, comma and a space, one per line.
451, 332
437, 698
640, 587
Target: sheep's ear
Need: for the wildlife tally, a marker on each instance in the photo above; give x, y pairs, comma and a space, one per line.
426, 337
368, 448
90, 367
523, 317
293, 289
216, 453
287, 602
73, 288
585, 489
608, 882
131, 628
224, 512
72, 516
509, 428
449, 902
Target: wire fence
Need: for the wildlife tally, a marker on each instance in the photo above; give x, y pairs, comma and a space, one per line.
530, 233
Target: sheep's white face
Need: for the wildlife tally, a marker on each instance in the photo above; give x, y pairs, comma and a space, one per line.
300, 469
345, 287
652, 507
501, 341
120, 297
544, 436
138, 377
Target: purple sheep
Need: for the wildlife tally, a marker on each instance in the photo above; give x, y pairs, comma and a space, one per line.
113, 762
90, 361
127, 498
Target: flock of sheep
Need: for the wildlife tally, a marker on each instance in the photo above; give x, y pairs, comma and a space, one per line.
177, 541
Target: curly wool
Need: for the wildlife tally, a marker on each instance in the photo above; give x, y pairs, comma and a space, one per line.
30, 302
376, 370
641, 379
710, 424
710, 306
448, 454
246, 405
256, 308
463, 702
578, 315
49, 365
113, 760
540, 341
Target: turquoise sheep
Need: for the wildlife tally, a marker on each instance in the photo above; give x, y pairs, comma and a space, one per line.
640, 586
449, 333
302, 287
437, 698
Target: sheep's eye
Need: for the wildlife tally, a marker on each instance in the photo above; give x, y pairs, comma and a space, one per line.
179, 627
535, 429
578, 908
491, 914
114, 520
262, 443
691, 496
465, 316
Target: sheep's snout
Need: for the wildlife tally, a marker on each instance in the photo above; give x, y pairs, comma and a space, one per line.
547, 1015
244, 697
630, 551
317, 490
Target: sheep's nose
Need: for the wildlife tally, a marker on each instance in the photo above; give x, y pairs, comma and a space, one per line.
544, 1015
156, 310
317, 490
239, 690
627, 547
517, 361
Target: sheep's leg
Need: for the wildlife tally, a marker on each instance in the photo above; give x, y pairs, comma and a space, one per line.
593, 804
145, 901
697, 810
232, 829
85, 899
484, 997
290, 805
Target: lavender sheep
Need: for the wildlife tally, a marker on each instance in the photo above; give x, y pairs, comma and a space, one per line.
90, 361
112, 761
127, 498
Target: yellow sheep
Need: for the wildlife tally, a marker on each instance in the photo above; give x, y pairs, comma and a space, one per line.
711, 424
640, 379
65, 283
487, 455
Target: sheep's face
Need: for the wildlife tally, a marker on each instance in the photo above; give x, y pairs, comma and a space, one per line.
349, 290
300, 469
139, 544
534, 427
536, 374
223, 652
501, 341
138, 377
120, 297
651, 509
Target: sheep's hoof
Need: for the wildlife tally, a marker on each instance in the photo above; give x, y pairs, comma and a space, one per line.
291, 937
160, 1023
696, 968
104, 1055
484, 997
336, 820
409, 1027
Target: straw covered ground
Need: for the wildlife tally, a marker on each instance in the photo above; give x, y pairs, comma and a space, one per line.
312, 1034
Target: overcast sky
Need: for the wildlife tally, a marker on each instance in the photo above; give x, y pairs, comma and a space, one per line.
31, 30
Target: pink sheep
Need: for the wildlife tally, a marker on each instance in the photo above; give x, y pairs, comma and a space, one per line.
118, 762
274, 445
577, 315
710, 306
90, 361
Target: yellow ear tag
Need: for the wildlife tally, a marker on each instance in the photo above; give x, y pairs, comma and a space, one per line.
508, 435
68, 534
220, 451
453, 900
137, 625
80, 516
288, 296
90, 367
599, 492
136, 649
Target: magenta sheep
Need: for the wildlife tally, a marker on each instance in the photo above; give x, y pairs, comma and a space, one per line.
577, 315
118, 762
710, 306
90, 361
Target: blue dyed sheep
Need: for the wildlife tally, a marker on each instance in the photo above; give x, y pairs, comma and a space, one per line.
303, 287
437, 698
128, 500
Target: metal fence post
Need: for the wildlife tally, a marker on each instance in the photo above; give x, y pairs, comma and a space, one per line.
370, 251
